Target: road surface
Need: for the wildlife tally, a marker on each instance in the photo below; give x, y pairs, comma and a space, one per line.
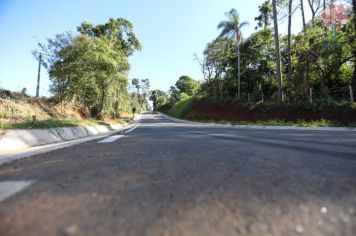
172, 178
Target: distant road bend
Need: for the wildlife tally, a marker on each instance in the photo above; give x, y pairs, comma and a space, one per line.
174, 178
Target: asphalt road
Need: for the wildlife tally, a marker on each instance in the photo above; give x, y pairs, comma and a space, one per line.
171, 178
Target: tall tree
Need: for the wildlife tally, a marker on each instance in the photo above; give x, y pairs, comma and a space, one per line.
158, 98
118, 31
136, 83
289, 39
187, 85
303, 14
145, 87
232, 28
264, 19
278, 53
92, 67
354, 48
315, 6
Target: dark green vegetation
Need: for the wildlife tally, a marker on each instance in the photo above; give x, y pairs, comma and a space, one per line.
91, 68
308, 78
320, 64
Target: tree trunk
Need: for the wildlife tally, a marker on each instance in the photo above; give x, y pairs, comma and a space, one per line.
238, 73
238, 66
278, 53
103, 95
303, 16
289, 77
353, 82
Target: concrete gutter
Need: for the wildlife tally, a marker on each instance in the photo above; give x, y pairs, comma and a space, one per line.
262, 126
15, 140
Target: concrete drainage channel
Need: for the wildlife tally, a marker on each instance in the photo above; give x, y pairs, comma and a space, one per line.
15, 144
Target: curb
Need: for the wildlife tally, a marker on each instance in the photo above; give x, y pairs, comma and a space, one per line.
17, 140
263, 126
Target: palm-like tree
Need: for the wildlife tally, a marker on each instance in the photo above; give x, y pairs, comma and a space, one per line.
232, 28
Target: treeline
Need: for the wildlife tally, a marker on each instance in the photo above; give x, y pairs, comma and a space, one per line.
314, 63
91, 68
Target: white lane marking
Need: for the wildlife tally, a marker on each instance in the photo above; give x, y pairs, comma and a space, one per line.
9, 188
111, 139
116, 137
133, 128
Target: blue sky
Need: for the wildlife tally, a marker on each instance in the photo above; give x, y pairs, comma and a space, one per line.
170, 33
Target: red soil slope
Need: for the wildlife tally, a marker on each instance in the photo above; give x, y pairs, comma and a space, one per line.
205, 109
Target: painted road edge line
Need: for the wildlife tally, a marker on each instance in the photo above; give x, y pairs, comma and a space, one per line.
10, 188
133, 128
111, 139
116, 137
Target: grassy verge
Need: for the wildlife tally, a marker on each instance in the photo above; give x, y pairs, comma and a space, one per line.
54, 122
301, 123
180, 110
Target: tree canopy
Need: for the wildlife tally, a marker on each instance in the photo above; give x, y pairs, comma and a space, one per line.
91, 68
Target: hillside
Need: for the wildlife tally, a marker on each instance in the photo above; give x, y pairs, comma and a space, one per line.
18, 111
229, 111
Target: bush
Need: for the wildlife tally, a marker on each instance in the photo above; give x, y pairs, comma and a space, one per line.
181, 109
183, 97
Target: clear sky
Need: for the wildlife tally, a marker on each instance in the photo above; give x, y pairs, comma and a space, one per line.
170, 31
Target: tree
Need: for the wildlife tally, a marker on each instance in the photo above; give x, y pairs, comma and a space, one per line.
232, 28
92, 67
258, 64
142, 90
315, 6
145, 87
158, 98
220, 58
187, 85
136, 83
264, 19
328, 59
303, 14
353, 40
289, 41
278, 53
118, 31
173, 93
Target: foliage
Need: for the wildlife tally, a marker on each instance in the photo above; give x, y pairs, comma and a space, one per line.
158, 98
187, 85
318, 60
181, 108
91, 68
264, 19
142, 91
232, 29
173, 93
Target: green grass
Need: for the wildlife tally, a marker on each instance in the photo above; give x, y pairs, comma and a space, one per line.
53, 122
300, 123
180, 109
319, 105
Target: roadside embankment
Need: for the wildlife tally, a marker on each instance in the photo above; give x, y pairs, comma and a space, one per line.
228, 111
12, 140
